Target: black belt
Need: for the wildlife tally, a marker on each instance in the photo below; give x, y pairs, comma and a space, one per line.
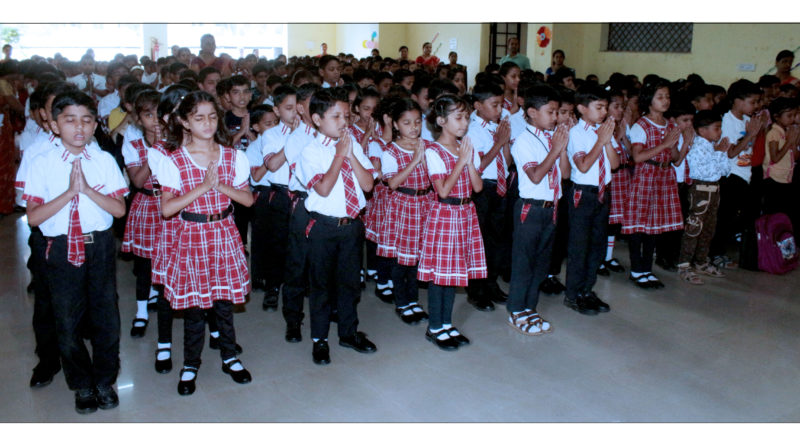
454, 201
699, 182
88, 238
280, 188
663, 165
331, 220
299, 195
201, 218
156, 191
587, 188
413, 192
262, 188
538, 203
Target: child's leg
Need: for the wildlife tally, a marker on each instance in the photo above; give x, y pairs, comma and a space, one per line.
223, 312
194, 329
578, 244
648, 249
296, 284
142, 269
164, 319
522, 254
448, 300
709, 226
372, 257
277, 226
693, 227
399, 274
258, 244
562, 232
44, 324
635, 250
348, 259
412, 285
103, 309
435, 303
322, 257
597, 243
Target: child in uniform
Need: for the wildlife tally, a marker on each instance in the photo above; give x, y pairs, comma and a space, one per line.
779, 158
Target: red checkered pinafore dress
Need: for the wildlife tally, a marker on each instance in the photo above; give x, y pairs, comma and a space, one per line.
143, 227
653, 205
452, 245
620, 188
206, 261
375, 212
401, 232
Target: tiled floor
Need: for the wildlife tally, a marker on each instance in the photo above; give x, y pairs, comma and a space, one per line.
723, 352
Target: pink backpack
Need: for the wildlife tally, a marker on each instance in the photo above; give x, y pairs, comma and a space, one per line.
777, 251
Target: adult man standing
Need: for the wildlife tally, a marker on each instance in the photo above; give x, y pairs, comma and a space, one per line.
514, 56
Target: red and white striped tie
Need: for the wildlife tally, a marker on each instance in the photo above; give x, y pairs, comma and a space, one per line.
555, 181
602, 184
502, 187
351, 198
75, 248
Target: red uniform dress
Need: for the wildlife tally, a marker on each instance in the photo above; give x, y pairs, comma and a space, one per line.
376, 209
205, 261
143, 228
452, 245
401, 231
653, 206
620, 188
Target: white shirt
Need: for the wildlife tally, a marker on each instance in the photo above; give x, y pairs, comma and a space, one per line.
108, 103
300, 138
81, 79
680, 169
529, 150
427, 129
256, 160
49, 178
273, 141
149, 78
518, 124
29, 134
315, 160
43, 143
582, 138
481, 133
734, 129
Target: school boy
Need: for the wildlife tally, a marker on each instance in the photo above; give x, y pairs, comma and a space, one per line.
275, 221
260, 185
491, 141
336, 176
236, 91
295, 287
541, 160
592, 156
73, 194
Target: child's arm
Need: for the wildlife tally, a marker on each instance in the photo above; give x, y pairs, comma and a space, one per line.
752, 128
324, 186
584, 163
171, 204
243, 197
364, 177
445, 186
39, 213
501, 138
777, 152
558, 147
641, 154
688, 137
276, 161
139, 174
400, 177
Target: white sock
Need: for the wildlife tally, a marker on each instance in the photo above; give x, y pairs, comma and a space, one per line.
163, 355
441, 333
371, 271
188, 375
141, 309
391, 284
386, 285
550, 276
652, 277
153, 293
637, 274
610, 249
214, 334
236, 366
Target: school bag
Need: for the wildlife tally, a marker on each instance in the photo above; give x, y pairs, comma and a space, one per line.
777, 251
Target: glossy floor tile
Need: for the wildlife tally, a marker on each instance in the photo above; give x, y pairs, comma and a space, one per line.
723, 352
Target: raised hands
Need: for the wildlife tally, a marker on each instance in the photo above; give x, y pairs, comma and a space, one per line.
503, 132
559, 139
344, 147
211, 180
606, 130
723, 145
465, 152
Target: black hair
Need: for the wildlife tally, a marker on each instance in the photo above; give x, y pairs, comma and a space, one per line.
559, 51
237, 81
420, 83
223, 86
787, 88
188, 83
188, 106
260, 67
537, 96
558, 77
401, 48
258, 111
508, 66
57, 88
697, 92
176, 67
402, 74
742, 89
361, 74
437, 87
37, 98
201, 76
445, 105
567, 95
132, 91
647, 93
301, 75
704, 118
323, 100
126, 80
781, 104
783, 54
680, 108
189, 74
400, 106
170, 100
364, 93
146, 100
325, 60
485, 91
491, 67
272, 79
73, 97
767, 80
306, 90
282, 92
381, 76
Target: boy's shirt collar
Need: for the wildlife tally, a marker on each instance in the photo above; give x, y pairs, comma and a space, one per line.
325, 141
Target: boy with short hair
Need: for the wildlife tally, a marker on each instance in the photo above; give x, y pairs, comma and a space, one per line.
541, 159
708, 162
592, 156
73, 194
208, 78
491, 141
336, 176
329, 70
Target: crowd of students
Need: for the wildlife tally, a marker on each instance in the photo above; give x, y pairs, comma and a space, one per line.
321, 159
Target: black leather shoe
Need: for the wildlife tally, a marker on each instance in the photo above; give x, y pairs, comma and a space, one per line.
138, 331
321, 353
358, 342
293, 334
446, 344
85, 401
213, 343
552, 286
667, 265
43, 375
603, 270
421, 314
614, 266
496, 294
107, 397
599, 305
654, 284
458, 336
270, 303
241, 377
163, 366
408, 315
187, 387
580, 305
386, 294
641, 281
482, 304
258, 284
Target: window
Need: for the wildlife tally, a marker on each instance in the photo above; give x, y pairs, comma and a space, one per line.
650, 37
238, 40
499, 34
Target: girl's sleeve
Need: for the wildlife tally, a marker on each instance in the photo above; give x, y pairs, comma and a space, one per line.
169, 177
241, 172
363, 159
114, 181
436, 167
130, 155
637, 135
389, 165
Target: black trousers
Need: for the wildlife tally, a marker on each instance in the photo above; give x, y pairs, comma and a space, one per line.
142, 270
562, 230
334, 257
295, 289
588, 220
242, 216
277, 234
88, 291
530, 255
406, 288
641, 247
738, 210
194, 329
258, 244
491, 210
668, 244
44, 323
778, 198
